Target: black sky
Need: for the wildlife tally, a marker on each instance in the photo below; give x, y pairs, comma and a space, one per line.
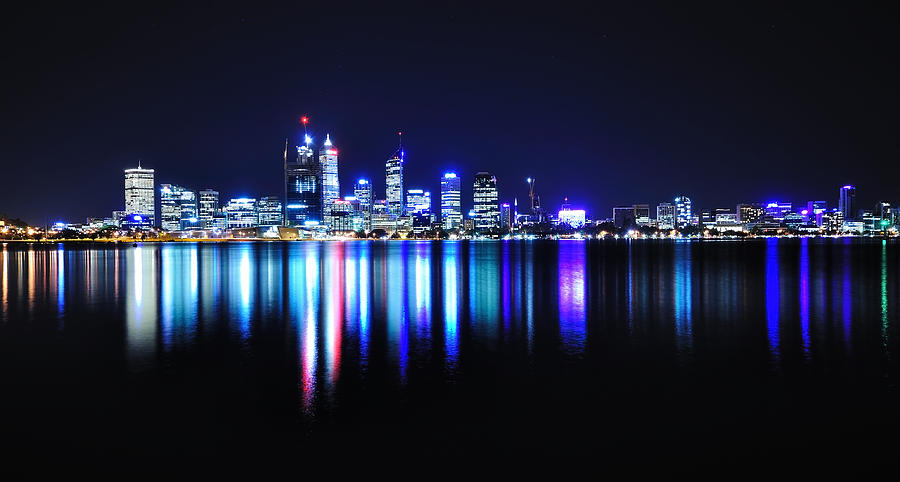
607, 104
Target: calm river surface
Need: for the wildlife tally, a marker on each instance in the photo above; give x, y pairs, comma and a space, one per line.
612, 352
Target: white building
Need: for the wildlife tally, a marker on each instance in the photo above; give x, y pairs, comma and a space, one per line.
328, 163
139, 193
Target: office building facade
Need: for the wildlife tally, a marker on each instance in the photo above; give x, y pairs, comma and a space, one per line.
451, 205
485, 202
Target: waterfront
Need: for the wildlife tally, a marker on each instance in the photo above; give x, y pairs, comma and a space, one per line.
196, 351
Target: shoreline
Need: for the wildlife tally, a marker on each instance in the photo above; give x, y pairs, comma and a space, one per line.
268, 240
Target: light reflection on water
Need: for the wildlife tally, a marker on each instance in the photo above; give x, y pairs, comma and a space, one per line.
346, 312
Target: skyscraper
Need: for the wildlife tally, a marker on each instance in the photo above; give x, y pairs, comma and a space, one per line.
451, 207
328, 163
362, 190
847, 203
302, 187
209, 206
506, 217
139, 193
484, 202
684, 215
394, 182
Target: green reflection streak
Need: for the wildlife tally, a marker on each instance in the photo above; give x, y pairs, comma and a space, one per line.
884, 296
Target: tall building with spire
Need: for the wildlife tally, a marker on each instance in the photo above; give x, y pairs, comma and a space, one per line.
394, 181
139, 193
302, 186
328, 163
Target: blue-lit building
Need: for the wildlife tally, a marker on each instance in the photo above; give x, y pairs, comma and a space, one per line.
684, 214
451, 206
847, 204
302, 187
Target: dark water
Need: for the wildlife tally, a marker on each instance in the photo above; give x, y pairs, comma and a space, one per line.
263, 355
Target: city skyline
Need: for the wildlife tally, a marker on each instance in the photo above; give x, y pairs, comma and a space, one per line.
643, 102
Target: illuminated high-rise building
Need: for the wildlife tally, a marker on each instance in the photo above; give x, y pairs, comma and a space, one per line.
362, 191
484, 202
451, 206
665, 216
684, 215
302, 187
139, 195
847, 203
394, 182
328, 163
177, 208
208, 207
506, 217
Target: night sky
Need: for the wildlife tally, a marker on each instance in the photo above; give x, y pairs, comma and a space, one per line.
607, 105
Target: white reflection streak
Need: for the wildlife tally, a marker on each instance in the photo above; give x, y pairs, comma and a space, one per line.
309, 336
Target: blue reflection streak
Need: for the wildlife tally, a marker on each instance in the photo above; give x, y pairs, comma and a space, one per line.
168, 278
772, 298
572, 312
397, 307
628, 290
506, 302
804, 295
529, 296
451, 306
846, 292
423, 293
364, 313
683, 296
